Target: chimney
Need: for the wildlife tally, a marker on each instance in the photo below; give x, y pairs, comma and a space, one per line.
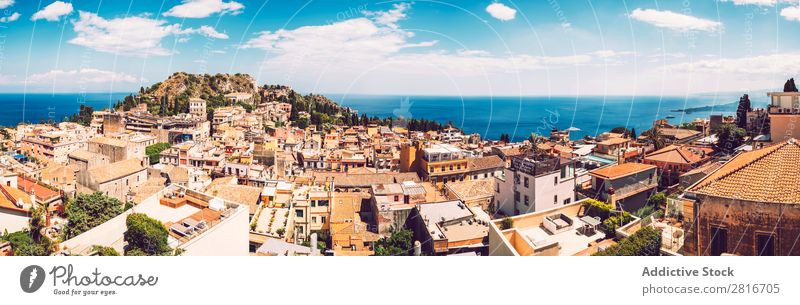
417, 248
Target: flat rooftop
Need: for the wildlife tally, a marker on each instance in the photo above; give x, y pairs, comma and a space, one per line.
570, 242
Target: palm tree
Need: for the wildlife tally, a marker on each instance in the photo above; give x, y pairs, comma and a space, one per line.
654, 135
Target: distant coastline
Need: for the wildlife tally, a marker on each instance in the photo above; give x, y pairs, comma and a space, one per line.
488, 116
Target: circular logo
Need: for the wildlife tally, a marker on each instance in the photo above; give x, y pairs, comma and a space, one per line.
31, 278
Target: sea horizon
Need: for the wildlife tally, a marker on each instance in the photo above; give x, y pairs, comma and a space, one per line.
490, 116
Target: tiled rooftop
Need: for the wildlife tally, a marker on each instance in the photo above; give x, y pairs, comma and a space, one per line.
767, 175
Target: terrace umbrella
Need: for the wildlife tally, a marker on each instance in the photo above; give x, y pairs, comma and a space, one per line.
573, 128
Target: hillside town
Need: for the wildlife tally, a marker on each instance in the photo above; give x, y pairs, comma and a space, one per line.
242, 169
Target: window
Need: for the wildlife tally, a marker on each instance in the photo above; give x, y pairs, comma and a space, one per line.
719, 241
323, 219
555, 180
555, 199
516, 196
765, 244
527, 202
451, 167
314, 219
526, 181
299, 213
396, 198
498, 188
567, 201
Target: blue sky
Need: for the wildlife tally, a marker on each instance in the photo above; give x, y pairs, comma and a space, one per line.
475, 47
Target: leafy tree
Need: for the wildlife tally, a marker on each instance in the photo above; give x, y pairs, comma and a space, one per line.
645, 242
789, 86
23, 244
84, 115
658, 199
88, 211
154, 151
655, 137
633, 133
730, 137
30, 241
104, 251
741, 111
146, 236
398, 244
505, 138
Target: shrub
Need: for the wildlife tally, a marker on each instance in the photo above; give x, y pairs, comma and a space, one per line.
154, 151
506, 223
645, 242
612, 223
598, 208
104, 251
280, 232
658, 199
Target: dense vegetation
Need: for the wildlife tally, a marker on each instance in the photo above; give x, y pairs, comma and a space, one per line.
146, 236
88, 211
83, 117
645, 242
730, 137
154, 151
398, 244
30, 241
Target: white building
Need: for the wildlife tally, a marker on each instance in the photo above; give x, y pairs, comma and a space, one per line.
534, 185
199, 224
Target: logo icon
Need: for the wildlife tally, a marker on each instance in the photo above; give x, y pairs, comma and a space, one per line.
31, 278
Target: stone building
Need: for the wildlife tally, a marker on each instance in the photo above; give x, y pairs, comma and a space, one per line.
735, 210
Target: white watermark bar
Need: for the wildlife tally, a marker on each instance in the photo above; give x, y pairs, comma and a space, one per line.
401, 280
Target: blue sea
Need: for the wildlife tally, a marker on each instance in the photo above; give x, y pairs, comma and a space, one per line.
46, 106
520, 116
489, 116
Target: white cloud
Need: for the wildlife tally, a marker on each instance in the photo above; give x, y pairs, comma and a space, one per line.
791, 13
53, 12
206, 31
675, 21
78, 77
131, 36
11, 18
6, 3
391, 17
204, 8
787, 63
612, 53
218, 52
362, 51
753, 2
501, 11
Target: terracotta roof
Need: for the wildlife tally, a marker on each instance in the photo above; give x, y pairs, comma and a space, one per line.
42, 193
116, 170
766, 175
620, 170
84, 155
472, 189
678, 133
108, 141
366, 180
482, 163
243, 194
613, 141
680, 154
10, 195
